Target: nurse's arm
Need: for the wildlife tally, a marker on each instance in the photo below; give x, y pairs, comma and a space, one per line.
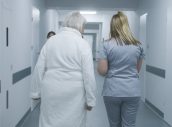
102, 67
139, 65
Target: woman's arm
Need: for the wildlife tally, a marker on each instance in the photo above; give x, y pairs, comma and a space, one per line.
38, 75
141, 58
88, 77
102, 67
139, 64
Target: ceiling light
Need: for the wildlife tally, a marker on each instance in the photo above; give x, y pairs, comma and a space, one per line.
88, 12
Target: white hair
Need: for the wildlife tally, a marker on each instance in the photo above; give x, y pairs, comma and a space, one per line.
75, 20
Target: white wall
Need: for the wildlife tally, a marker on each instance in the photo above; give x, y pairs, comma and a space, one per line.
168, 109
17, 16
35, 44
142, 39
158, 53
40, 5
18, 56
52, 20
42, 24
48, 20
0, 62
93, 4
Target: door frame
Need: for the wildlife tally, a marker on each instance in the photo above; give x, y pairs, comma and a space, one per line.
142, 37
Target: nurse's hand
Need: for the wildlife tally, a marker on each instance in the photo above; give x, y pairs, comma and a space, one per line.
89, 108
36, 98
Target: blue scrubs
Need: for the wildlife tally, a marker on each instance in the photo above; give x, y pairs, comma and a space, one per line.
121, 88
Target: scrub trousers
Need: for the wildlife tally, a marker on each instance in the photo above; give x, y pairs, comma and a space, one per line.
122, 111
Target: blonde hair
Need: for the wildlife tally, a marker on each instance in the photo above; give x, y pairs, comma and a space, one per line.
120, 30
75, 20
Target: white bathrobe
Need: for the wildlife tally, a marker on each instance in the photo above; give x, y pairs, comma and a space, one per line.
64, 79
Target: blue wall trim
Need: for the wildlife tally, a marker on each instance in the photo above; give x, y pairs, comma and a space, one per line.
21, 75
156, 71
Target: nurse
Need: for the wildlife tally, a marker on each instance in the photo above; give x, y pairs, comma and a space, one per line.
120, 62
66, 76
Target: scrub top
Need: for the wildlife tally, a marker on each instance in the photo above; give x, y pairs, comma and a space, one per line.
122, 78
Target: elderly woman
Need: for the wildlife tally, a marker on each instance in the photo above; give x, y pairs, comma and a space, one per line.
66, 76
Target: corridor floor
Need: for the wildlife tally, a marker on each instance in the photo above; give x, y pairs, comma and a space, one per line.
98, 117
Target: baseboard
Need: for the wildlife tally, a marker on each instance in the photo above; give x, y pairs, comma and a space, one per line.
21, 122
154, 108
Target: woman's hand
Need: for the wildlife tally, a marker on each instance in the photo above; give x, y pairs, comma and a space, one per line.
89, 108
139, 65
36, 98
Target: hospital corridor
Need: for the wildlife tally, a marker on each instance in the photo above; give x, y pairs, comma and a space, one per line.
98, 117
28, 28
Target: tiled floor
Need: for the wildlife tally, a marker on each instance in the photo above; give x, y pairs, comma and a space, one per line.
98, 117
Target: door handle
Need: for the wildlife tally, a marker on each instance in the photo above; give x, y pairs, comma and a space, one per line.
0, 86
7, 36
7, 99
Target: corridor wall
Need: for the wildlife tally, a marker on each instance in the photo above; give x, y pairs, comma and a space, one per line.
158, 60
168, 108
40, 5
16, 54
48, 20
0, 63
15, 60
51, 20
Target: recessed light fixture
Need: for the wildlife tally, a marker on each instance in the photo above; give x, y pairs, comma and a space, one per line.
88, 12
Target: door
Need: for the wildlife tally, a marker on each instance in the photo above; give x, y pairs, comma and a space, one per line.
168, 104
143, 20
1, 64
92, 40
35, 35
35, 44
6, 63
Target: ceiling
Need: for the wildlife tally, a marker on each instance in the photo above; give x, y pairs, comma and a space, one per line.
93, 4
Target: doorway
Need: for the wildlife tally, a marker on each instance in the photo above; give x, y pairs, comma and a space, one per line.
35, 44
35, 35
142, 35
92, 33
92, 40
0, 65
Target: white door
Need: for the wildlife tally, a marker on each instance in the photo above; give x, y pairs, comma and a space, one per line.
168, 85
35, 44
6, 64
35, 35
1, 64
143, 20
